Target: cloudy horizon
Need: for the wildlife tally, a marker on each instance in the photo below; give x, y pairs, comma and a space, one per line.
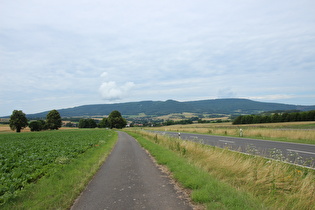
61, 54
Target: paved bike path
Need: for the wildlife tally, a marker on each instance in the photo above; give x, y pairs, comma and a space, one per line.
129, 179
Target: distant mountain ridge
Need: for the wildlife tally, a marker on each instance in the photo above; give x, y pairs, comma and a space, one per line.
157, 108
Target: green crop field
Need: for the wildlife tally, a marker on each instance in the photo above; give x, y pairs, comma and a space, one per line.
26, 157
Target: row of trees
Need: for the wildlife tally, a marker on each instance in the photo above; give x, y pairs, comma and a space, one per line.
276, 117
114, 120
87, 123
180, 122
18, 121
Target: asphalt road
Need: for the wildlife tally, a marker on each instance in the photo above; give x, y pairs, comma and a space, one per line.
129, 179
301, 154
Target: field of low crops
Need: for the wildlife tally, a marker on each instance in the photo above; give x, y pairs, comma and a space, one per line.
26, 157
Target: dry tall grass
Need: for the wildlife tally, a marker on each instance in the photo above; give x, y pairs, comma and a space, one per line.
6, 128
280, 185
271, 130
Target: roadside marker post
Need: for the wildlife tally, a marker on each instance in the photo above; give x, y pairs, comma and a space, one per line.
241, 132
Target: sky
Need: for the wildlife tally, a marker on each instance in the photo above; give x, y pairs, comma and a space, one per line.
66, 53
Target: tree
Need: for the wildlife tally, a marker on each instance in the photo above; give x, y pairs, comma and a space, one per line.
35, 126
104, 123
53, 120
70, 124
18, 121
38, 125
285, 117
92, 123
237, 120
87, 123
116, 120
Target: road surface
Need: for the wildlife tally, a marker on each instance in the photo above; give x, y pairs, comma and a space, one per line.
129, 179
301, 154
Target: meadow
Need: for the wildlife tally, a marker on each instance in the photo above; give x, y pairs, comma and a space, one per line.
31, 157
298, 132
223, 179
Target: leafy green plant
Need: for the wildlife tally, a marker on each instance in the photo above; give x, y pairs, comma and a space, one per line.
27, 157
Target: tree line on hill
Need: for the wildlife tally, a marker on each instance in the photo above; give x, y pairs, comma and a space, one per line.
275, 118
160, 108
190, 121
18, 121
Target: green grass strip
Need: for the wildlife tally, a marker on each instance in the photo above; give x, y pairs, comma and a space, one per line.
59, 189
206, 189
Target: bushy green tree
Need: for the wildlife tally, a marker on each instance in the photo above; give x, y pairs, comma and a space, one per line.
53, 120
116, 120
82, 123
87, 123
34, 126
104, 123
18, 121
38, 125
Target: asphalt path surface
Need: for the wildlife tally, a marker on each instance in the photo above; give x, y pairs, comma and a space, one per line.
300, 154
129, 179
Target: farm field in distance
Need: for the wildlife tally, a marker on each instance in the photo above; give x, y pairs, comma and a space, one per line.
6, 128
28, 156
298, 132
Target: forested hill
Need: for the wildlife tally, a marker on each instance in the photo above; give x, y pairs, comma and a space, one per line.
215, 106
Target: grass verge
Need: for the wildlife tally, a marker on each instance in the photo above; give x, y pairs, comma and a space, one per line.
275, 184
60, 188
206, 189
297, 132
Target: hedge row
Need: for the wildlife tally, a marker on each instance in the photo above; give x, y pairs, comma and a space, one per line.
276, 117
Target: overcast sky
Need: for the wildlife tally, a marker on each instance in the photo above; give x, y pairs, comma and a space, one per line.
60, 54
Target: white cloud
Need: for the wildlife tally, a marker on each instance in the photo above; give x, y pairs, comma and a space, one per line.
110, 91
226, 93
104, 75
272, 97
171, 49
282, 98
